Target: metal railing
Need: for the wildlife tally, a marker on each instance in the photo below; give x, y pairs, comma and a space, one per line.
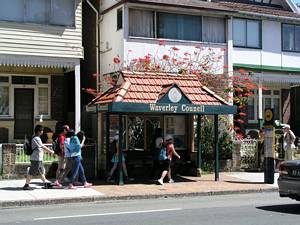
249, 153
21, 157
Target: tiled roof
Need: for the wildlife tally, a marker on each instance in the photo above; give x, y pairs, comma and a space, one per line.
185, 3
149, 87
252, 8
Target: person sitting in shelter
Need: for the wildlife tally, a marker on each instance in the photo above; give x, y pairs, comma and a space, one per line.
117, 158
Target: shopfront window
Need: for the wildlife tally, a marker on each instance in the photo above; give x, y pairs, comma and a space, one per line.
175, 126
135, 133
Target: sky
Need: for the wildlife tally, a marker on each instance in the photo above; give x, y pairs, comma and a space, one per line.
297, 1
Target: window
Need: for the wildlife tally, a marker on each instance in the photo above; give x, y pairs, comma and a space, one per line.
213, 29
146, 23
137, 27
270, 99
182, 27
119, 19
247, 33
53, 12
175, 126
43, 101
4, 100
136, 133
62, 12
290, 37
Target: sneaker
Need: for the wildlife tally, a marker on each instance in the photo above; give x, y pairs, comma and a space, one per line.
87, 185
160, 181
27, 187
171, 181
72, 187
57, 184
47, 185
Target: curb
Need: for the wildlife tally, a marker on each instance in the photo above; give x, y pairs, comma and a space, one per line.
23, 203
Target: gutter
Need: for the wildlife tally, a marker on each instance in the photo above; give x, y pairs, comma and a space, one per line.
275, 17
97, 43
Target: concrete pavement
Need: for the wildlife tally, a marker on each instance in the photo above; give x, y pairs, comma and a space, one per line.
11, 193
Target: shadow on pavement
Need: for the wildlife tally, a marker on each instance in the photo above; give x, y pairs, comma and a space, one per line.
288, 209
243, 182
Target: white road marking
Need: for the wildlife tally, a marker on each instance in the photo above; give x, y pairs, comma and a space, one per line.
107, 214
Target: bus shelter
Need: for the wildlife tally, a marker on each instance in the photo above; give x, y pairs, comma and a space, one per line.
141, 102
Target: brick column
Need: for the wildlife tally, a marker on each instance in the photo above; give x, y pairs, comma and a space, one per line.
9, 160
236, 156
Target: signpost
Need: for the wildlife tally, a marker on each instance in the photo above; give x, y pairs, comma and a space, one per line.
269, 154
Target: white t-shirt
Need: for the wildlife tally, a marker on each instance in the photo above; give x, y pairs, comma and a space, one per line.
38, 151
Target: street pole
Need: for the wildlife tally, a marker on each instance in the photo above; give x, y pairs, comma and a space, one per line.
269, 169
217, 166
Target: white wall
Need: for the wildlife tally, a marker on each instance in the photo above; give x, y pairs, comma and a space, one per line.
42, 40
270, 54
112, 41
140, 47
104, 4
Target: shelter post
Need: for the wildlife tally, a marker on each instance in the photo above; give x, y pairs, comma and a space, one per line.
199, 152
107, 123
121, 177
216, 147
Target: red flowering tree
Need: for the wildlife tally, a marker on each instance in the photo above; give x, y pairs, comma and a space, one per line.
207, 63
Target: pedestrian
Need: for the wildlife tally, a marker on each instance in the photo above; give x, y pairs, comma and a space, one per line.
117, 158
288, 142
61, 155
36, 159
170, 150
261, 146
68, 158
75, 149
158, 144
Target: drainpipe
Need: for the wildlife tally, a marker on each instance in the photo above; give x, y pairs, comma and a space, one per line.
97, 43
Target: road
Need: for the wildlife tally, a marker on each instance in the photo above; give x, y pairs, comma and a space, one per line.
242, 209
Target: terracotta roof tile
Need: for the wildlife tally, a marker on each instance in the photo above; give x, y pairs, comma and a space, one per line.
139, 90
254, 8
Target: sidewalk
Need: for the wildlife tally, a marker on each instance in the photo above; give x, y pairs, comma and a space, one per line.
11, 193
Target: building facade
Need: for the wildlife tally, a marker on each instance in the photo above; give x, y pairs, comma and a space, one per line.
40, 53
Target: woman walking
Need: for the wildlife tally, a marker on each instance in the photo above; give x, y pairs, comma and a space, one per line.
75, 149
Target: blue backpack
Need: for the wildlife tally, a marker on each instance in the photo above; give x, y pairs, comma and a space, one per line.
163, 154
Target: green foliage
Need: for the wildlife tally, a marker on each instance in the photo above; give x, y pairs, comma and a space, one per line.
207, 140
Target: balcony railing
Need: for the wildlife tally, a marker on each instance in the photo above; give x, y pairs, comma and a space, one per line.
21, 157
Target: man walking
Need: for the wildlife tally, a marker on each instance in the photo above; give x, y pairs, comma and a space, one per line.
61, 155
36, 159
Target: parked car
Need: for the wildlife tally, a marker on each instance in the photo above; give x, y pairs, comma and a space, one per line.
289, 179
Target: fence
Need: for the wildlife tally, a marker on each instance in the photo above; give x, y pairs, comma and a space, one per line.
21, 157
249, 150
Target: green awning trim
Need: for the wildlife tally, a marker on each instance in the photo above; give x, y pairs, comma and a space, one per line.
266, 68
167, 108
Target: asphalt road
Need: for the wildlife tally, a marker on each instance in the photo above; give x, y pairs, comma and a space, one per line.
244, 209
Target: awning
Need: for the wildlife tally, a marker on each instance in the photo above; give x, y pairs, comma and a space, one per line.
277, 78
146, 92
38, 61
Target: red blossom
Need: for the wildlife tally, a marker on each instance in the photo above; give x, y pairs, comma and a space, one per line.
242, 114
175, 48
117, 60
166, 57
162, 42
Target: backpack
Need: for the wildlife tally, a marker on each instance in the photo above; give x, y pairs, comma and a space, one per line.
163, 154
55, 146
27, 146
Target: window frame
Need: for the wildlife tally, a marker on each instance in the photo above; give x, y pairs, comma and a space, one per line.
272, 96
259, 30
155, 27
7, 84
48, 17
120, 12
282, 41
35, 87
